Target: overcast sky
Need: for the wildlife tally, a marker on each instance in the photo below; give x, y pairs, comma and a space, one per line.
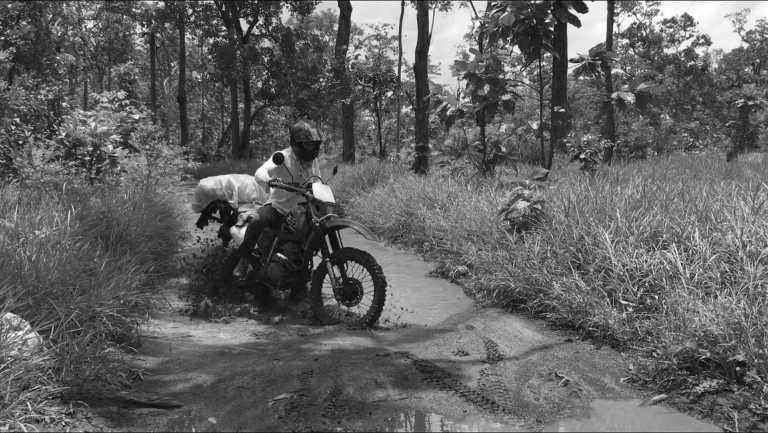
451, 26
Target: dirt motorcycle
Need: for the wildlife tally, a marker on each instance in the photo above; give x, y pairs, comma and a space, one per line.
347, 284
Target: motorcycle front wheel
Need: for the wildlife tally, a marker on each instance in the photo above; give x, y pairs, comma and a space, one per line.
357, 295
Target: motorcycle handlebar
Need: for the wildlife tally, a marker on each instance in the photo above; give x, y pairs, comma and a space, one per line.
289, 186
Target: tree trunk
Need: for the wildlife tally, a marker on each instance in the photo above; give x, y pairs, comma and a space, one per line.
347, 107
234, 119
182, 96
85, 91
540, 130
609, 127
377, 112
245, 135
421, 160
203, 113
432, 25
222, 109
485, 167
399, 77
153, 74
559, 97
100, 79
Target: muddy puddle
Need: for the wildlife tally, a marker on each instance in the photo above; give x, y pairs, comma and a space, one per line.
630, 415
413, 297
419, 421
601, 416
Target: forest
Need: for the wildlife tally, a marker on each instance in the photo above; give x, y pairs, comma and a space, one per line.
619, 194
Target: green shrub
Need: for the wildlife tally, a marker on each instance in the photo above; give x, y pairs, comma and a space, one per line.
78, 263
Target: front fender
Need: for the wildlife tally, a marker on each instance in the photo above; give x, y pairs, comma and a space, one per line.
337, 224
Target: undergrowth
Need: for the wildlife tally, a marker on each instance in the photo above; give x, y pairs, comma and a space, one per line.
668, 258
78, 263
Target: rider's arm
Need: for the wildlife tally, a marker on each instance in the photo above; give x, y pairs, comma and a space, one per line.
262, 174
316, 168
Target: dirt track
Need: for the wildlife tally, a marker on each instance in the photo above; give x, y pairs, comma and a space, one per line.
436, 363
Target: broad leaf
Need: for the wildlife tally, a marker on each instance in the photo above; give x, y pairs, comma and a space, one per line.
579, 6
573, 20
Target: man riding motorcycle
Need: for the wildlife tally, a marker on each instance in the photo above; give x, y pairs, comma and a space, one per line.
300, 166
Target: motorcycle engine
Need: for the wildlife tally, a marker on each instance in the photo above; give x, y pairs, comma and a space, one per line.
285, 263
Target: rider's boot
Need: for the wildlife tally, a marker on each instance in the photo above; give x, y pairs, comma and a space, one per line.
298, 293
241, 270
245, 264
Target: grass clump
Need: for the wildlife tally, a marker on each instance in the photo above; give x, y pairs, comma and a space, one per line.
666, 257
78, 263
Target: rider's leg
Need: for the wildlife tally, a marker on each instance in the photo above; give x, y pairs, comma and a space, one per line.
266, 216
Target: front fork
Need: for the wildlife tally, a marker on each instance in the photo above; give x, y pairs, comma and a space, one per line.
331, 243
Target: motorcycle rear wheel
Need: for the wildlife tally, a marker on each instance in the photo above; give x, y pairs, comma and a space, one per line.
357, 301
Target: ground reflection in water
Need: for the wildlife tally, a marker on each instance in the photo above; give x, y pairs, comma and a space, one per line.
630, 415
604, 415
418, 421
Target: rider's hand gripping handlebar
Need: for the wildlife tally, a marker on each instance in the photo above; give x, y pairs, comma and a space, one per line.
289, 186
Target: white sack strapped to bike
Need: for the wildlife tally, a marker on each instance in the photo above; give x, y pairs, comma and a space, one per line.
236, 189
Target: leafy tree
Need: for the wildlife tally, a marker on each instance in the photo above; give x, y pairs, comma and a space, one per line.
237, 54
538, 27
297, 71
528, 26
755, 39
561, 10
373, 69
488, 89
666, 74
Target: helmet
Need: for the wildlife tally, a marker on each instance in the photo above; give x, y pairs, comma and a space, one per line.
305, 141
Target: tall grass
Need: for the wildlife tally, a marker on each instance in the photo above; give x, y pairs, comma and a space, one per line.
668, 257
77, 262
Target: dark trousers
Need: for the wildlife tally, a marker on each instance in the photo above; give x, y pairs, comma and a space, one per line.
266, 216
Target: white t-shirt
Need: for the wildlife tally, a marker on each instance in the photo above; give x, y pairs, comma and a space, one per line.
292, 170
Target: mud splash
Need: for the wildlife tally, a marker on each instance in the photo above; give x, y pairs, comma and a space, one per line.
630, 415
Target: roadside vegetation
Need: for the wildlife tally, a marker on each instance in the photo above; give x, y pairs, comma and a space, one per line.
664, 258
78, 263
85, 233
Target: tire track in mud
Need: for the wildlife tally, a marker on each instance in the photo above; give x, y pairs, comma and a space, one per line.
333, 408
491, 394
291, 411
492, 382
493, 354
